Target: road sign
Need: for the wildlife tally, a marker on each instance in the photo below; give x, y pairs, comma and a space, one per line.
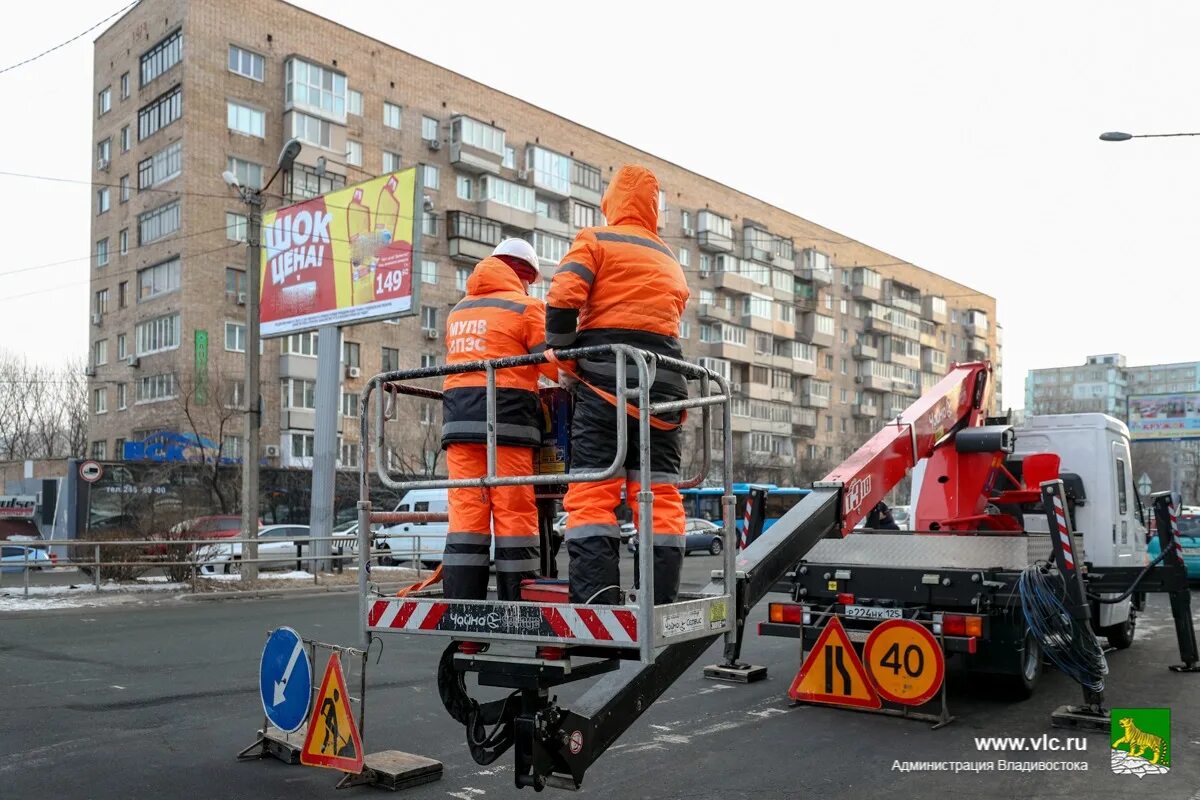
905, 662
332, 740
832, 673
285, 680
91, 471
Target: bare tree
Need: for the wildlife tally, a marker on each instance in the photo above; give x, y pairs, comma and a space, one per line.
414, 437
43, 410
211, 414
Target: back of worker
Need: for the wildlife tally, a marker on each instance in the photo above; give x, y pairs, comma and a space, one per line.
620, 284
497, 318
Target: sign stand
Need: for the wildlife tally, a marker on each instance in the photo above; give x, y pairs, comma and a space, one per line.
388, 769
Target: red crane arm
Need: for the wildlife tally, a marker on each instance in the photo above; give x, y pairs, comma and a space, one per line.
959, 400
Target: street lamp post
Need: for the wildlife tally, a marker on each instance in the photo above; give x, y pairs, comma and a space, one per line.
253, 198
1121, 136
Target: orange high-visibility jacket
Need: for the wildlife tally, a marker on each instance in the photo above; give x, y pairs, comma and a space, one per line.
495, 319
620, 282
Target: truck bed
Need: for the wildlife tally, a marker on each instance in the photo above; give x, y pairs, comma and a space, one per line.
1009, 552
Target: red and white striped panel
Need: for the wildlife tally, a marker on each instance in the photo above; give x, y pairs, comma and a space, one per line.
1064, 536
1176, 545
410, 615
598, 623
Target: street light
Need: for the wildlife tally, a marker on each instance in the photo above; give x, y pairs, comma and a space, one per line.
1121, 136
253, 198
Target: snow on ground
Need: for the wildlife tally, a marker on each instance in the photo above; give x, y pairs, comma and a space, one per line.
294, 575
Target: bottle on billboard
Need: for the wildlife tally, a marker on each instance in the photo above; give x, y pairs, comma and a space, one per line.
362, 249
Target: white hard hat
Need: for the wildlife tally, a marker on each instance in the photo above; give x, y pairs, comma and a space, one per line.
519, 248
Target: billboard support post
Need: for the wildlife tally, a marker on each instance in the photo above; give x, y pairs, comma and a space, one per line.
325, 443
252, 399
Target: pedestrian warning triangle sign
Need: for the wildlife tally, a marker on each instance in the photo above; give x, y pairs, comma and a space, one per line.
332, 739
833, 673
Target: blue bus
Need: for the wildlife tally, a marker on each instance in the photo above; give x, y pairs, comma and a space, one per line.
705, 503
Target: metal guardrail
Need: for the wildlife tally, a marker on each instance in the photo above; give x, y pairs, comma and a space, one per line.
649, 617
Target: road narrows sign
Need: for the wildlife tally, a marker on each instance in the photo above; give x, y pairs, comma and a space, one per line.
285, 680
833, 674
905, 662
332, 740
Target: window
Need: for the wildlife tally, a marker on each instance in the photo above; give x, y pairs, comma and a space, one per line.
246, 120
390, 361
160, 167
123, 294
349, 455
585, 176
464, 187
102, 252
828, 362
844, 367
510, 158
122, 401
235, 281
244, 63
685, 329
550, 248
299, 393
842, 397
302, 445
161, 57
550, 170
714, 223
429, 318
124, 85
100, 449
685, 258
312, 130
391, 162
100, 401
428, 360
123, 191
427, 415
350, 404
354, 152
510, 194
354, 104
235, 337
685, 219
472, 132
235, 226
460, 278
248, 174
428, 270
757, 306
469, 226
160, 112
158, 334
431, 177
103, 202
235, 392
583, 215
429, 129
300, 344
125, 139
231, 446
122, 347
104, 101
100, 353
1122, 499
104, 150
315, 88
152, 388
100, 306
391, 115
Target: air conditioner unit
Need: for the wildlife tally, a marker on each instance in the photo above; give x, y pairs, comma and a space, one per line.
704, 273
689, 231
97, 317
522, 174
858, 379
434, 144
735, 387
353, 372
271, 451
241, 298
430, 333
102, 164
89, 372
132, 361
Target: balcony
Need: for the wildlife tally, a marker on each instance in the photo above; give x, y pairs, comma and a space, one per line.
905, 298
880, 325
865, 352
977, 327
804, 421
977, 348
814, 399
296, 366
866, 285
507, 215
933, 308
731, 352
815, 275
732, 281
714, 242
928, 334
471, 238
814, 332
585, 183
714, 313
556, 227
903, 359
806, 366
870, 382
933, 360
298, 419
475, 146
805, 298
864, 410
906, 389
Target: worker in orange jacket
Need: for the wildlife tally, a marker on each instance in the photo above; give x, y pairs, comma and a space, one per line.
620, 284
497, 318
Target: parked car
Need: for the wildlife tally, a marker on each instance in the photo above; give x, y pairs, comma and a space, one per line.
276, 549
412, 541
628, 529
14, 558
701, 536
903, 517
1189, 537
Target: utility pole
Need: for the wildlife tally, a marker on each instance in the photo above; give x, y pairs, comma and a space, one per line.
253, 198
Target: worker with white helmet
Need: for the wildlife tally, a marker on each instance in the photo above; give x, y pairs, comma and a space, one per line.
497, 318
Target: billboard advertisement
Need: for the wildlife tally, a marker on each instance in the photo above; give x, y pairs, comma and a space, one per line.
341, 258
1164, 416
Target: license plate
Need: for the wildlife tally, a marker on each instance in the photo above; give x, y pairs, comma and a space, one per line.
873, 612
1191, 551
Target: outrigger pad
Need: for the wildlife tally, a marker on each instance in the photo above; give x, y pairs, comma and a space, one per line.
1081, 717
395, 769
737, 673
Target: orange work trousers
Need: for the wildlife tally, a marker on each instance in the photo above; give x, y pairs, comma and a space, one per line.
475, 514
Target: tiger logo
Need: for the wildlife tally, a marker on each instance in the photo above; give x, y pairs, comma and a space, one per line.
1138, 741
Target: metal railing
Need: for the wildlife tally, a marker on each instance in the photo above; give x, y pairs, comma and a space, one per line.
645, 365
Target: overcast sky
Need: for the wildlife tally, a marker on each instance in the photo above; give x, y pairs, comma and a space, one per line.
959, 136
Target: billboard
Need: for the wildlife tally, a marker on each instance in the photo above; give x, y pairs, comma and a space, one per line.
1164, 416
341, 258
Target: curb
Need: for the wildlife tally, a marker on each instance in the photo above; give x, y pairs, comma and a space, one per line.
313, 591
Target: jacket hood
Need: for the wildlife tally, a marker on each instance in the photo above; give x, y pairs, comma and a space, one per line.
492, 275
632, 198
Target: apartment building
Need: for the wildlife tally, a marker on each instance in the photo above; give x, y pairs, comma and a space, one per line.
822, 336
1104, 383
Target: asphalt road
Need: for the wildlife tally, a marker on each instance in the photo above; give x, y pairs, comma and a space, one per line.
155, 700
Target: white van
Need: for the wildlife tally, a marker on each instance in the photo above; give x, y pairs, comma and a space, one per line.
407, 541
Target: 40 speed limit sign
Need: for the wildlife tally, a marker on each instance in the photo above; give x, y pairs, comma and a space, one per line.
905, 662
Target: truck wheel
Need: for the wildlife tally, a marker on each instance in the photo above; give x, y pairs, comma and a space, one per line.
1021, 685
1121, 636
716, 546
385, 555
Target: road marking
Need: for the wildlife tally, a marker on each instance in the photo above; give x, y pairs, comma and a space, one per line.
118, 687
467, 793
